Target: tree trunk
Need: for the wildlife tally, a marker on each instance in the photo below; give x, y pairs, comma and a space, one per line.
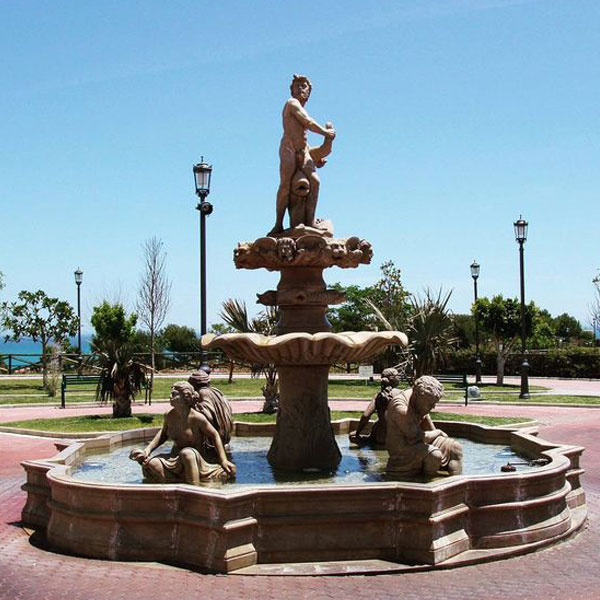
231, 365
121, 401
500, 362
44, 364
152, 364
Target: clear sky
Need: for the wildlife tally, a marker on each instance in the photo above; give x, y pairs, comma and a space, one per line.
453, 117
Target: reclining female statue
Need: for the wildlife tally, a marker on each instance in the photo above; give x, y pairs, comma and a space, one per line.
189, 430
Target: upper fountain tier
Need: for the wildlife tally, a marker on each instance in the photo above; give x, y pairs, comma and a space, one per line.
300, 248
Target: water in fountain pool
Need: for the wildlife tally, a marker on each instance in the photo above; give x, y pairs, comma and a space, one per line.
358, 465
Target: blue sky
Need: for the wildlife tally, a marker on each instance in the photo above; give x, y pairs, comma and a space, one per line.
453, 118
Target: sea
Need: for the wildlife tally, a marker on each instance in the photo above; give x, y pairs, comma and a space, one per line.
28, 346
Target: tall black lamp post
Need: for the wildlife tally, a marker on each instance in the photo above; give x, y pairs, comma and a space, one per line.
521, 236
202, 175
595, 321
475, 267
78, 279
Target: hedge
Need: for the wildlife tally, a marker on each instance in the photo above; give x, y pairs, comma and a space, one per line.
564, 362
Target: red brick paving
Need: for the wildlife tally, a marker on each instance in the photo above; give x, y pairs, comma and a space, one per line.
568, 570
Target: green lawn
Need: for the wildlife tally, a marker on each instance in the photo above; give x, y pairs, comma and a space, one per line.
27, 391
87, 423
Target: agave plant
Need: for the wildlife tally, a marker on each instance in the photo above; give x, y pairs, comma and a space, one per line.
429, 330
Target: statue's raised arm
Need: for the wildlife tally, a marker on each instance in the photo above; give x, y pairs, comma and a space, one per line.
298, 180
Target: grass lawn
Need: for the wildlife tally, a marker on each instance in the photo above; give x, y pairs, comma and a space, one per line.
88, 423
29, 391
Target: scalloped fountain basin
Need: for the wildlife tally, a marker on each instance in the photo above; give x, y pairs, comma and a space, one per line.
313, 527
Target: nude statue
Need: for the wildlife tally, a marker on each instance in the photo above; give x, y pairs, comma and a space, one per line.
414, 444
188, 429
298, 181
390, 379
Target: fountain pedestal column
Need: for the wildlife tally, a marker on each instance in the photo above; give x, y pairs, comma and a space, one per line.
303, 436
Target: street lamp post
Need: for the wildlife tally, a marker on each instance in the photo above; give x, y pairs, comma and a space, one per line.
475, 268
78, 279
521, 227
202, 176
595, 320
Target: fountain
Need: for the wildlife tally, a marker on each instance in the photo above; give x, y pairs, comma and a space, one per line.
384, 525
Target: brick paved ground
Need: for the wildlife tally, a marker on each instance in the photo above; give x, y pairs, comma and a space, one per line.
568, 570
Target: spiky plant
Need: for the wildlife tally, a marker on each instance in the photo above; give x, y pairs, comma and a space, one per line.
122, 376
235, 314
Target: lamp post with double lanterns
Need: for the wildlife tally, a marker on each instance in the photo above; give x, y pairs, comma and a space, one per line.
521, 227
475, 267
202, 176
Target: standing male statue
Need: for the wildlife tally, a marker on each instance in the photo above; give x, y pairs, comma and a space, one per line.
298, 181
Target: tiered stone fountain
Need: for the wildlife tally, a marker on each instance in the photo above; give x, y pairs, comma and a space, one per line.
304, 348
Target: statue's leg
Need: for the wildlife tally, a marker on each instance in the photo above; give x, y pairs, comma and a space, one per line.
154, 470
190, 466
287, 167
311, 201
432, 462
456, 455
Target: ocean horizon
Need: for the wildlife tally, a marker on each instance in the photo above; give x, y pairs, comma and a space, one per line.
28, 346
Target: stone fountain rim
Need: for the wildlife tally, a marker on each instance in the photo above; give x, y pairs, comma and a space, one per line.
52, 497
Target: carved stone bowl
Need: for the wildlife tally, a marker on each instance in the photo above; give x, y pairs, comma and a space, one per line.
304, 348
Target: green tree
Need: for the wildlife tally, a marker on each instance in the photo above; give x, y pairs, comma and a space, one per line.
463, 329
500, 319
122, 376
354, 314
567, 328
179, 338
41, 318
388, 295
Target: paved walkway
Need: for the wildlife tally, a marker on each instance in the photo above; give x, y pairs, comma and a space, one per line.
568, 570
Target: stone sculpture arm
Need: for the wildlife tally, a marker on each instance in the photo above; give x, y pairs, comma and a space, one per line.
364, 419
213, 435
431, 432
143, 456
297, 111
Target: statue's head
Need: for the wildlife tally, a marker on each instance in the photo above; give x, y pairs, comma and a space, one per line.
301, 87
199, 379
184, 391
426, 392
390, 378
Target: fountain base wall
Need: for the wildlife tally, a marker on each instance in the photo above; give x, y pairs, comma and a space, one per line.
454, 520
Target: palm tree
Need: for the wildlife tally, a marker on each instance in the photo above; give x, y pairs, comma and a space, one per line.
235, 314
121, 375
